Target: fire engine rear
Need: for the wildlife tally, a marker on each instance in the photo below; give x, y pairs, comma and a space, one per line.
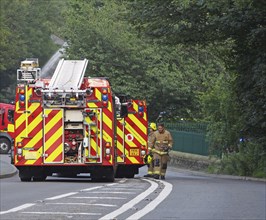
132, 137
64, 125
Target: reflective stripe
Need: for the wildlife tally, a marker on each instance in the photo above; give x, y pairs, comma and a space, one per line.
163, 142
159, 152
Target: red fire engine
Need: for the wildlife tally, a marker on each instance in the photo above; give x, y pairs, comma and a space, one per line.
6, 127
131, 137
69, 125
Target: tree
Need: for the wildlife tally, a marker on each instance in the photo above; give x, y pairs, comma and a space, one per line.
26, 26
234, 31
169, 78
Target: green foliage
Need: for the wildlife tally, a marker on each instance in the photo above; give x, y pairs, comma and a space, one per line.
195, 59
249, 161
222, 112
26, 26
168, 77
234, 31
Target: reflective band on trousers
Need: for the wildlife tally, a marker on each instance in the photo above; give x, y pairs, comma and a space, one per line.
159, 152
161, 142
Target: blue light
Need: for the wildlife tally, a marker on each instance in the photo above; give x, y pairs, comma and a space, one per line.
105, 97
141, 109
22, 97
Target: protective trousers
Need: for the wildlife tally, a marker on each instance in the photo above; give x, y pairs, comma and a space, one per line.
160, 164
150, 168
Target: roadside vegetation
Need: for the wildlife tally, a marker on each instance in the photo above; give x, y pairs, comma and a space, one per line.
196, 60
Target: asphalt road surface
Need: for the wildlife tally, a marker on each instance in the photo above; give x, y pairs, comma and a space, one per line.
183, 195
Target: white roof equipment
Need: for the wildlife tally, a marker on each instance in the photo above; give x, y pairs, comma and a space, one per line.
68, 75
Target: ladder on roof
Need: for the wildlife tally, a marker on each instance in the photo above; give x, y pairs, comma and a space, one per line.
68, 75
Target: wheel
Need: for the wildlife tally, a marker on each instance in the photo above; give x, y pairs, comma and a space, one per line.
5, 146
25, 179
39, 178
110, 179
130, 175
24, 174
105, 175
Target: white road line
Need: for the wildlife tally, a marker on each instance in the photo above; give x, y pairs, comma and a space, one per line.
95, 197
152, 205
61, 196
92, 188
80, 203
27, 205
132, 202
107, 192
98, 187
122, 189
62, 213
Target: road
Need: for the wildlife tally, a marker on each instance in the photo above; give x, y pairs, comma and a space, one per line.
183, 195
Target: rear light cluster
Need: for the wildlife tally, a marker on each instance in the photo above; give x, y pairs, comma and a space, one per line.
19, 151
105, 97
22, 98
141, 109
107, 150
143, 150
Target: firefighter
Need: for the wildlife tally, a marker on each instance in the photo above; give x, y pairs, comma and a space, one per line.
163, 142
149, 160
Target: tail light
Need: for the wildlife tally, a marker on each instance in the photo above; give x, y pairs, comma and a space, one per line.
22, 98
141, 109
105, 97
19, 151
107, 150
143, 150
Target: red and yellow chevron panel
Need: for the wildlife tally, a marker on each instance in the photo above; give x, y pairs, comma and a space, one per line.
53, 136
101, 129
132, 136
28, 129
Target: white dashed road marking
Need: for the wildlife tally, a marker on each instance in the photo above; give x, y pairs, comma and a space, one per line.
152, 205
81, 203
61, 196
27, 205
62, 213
132, 202
95, 197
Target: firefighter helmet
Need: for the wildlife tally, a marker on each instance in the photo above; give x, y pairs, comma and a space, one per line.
148, 159
153, 126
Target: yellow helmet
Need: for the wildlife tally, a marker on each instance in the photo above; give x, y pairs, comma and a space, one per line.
153, 126
148, 159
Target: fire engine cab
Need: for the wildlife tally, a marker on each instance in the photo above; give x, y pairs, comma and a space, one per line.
6, 127
69, 124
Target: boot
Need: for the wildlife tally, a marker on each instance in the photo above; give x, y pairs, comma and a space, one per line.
156, 176
148, 175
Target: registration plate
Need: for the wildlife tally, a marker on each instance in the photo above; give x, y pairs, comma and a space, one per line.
134, 152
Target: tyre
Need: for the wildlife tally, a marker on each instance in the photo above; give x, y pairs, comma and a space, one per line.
24, 174
25, 179
39, 178
103, 175
130, 175
5, 145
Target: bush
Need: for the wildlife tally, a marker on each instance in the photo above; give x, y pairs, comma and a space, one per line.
249, 161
